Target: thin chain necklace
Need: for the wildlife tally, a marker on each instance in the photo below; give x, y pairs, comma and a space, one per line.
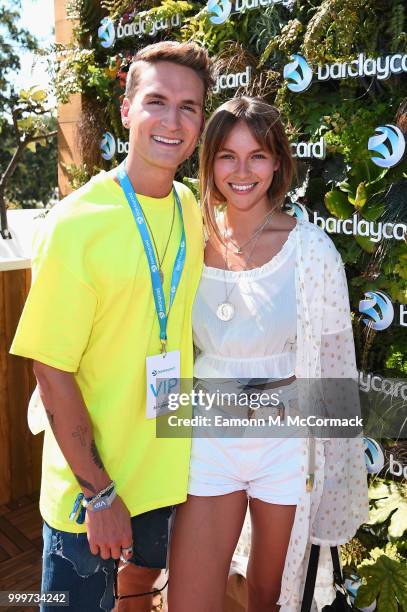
161, 261
239, 248
226, 310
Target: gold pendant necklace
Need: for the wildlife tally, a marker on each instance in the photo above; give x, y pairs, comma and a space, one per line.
161, 261
226, 310
239, 248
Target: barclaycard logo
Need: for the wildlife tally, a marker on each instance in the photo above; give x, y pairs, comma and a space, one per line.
232, 80
379, 308
394, 388
374, 456
389, 143
297, 74
107, 146
396, 468
219, 11
106, 33
298, 211
355, 226
157, 372
304, 150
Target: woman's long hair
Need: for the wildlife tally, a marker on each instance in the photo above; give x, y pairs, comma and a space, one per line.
263, 121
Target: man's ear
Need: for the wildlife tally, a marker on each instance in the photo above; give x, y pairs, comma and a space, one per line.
202, 124
124, 110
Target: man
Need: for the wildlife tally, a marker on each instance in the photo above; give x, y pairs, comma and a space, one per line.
91, 320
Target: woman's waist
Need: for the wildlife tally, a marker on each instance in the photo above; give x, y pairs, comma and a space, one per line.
277, 365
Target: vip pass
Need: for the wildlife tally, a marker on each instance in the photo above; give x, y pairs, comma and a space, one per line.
158, 292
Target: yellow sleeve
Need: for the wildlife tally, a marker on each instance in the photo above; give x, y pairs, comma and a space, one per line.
57, 319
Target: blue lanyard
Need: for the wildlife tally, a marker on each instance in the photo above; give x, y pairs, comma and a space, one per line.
158, 291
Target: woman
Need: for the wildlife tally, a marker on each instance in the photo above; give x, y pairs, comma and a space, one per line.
272, 305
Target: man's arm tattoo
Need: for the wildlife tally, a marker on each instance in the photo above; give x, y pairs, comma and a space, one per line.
80, 433
84, 483
95, 455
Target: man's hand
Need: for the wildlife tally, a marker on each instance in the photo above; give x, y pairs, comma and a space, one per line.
109, 531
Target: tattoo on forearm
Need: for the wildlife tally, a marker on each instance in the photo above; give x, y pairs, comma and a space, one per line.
51, 420
80, 433
95, 455
85, 484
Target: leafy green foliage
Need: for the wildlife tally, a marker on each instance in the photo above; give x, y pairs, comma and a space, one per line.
386, 581
390, 502
345, 112
12, 38
35, 178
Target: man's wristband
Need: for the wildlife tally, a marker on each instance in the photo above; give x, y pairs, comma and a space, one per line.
101, 500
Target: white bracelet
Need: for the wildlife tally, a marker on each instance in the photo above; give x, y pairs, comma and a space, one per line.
90, 502
102, 503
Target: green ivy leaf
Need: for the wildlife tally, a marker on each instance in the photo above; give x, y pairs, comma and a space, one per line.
345, 186
373, 209
31, 146
26, 124
361, 196
337, 203
389, 499
37, 94
386, 581
366, 244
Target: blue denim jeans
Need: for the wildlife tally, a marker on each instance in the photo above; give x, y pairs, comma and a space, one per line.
68, 565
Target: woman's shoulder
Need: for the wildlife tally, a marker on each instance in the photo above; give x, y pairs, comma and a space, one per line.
315, 238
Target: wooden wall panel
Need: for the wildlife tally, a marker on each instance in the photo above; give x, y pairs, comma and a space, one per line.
5, 468
20, 454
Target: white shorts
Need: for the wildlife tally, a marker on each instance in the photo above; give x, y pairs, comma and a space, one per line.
269, 469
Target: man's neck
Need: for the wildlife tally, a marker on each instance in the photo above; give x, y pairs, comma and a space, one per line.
149, 180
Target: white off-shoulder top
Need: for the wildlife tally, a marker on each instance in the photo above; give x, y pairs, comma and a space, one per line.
337, 504
260, 340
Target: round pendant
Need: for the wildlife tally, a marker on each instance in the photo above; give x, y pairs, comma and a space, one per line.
225, 311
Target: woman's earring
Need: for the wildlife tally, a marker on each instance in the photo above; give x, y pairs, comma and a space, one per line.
126, 123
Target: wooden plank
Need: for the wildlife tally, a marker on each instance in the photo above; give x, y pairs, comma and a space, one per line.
38, 440
18, 388
8, 545
3, 556
15, 535
5, 467
15, 571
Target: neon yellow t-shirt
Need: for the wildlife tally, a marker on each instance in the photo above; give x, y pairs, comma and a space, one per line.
91, 311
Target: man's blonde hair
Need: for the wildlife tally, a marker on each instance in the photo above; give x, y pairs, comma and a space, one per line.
187, 54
